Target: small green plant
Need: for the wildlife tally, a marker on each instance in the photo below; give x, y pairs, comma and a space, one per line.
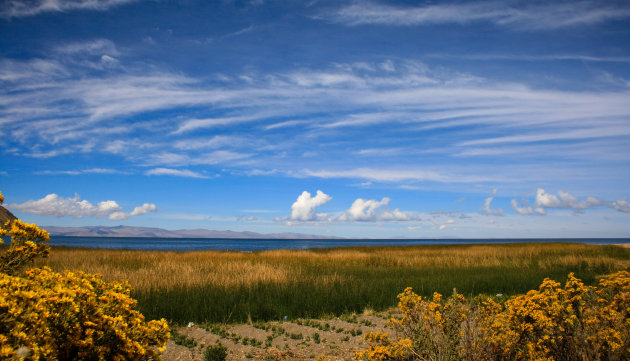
262, 325
218, 330
269, 341
183, 340
316, 338
216, 352
277, 330
368, 323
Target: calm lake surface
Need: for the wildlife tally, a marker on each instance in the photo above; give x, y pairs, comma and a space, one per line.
249, 245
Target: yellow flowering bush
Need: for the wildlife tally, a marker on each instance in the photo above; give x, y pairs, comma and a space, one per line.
45, 315
27, 243
383, 348
554, 322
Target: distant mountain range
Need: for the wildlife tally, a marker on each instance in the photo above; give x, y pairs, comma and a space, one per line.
126, 231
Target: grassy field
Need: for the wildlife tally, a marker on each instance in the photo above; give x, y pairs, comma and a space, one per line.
215, 286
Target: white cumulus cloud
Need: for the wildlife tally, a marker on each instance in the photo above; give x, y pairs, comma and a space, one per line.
621, 205
143, 209
565, 200
487, 209
371, 210
54, 205
445, 225
526, 210
304, 208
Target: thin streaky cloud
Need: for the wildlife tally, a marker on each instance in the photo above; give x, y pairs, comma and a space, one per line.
79, 172
194, 124
90, 47
185, 159
604, 149
89, 113
524, 17
21, 8
382, 151
385, 175
578, 134
240, 32
532, 58
175, 172
215, 142
288, 123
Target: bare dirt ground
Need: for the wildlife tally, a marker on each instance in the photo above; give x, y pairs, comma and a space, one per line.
302, 339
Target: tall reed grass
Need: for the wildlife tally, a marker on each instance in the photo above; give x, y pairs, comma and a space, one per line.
222, 286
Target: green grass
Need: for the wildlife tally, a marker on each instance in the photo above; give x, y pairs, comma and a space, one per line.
213, 286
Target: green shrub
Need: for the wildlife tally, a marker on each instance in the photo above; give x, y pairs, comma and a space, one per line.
216, 352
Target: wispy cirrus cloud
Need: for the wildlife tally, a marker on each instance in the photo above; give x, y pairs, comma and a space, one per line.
529, 58
515, 15
394, 175
183, 159
216, 141
82, 171
586, 134
22, 8
94, 47
51, 107
176, 172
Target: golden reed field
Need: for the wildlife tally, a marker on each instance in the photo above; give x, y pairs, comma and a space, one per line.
215, 285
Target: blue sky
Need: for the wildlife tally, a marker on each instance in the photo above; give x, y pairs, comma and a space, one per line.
350, 118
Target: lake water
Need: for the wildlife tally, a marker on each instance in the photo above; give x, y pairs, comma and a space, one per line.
249, 245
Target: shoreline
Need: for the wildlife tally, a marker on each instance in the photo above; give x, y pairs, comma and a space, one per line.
257, 244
